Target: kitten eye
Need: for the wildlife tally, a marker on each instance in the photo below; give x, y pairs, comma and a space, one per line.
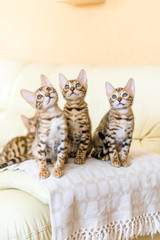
78, 85
39, 96
66, 87
124, 95
114, 96
30, 123
48, 89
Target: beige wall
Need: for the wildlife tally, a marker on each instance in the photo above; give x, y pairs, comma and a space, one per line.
117, 32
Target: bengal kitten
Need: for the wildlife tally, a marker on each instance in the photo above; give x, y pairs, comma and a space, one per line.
76, 112
19, 148
51, 136
113, 136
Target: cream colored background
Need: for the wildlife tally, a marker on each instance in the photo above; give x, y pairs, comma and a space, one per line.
117, 32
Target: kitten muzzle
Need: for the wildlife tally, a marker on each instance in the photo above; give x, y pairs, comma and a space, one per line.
49, 99
120, 104
73, 93
119, 100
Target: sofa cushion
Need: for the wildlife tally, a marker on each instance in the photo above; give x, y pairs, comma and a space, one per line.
23, 216
23, 181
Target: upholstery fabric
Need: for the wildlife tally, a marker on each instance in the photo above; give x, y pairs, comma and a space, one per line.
23, 217
22, 181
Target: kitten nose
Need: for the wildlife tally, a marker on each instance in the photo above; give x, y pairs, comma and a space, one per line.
47, 94
119, 99
72, 89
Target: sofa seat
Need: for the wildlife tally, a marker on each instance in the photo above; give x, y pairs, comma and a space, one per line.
23, 217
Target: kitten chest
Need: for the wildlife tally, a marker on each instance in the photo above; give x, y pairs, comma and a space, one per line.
54, 130
75, 123
122, 131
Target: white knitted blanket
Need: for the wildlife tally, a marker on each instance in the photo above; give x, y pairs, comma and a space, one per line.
96, 201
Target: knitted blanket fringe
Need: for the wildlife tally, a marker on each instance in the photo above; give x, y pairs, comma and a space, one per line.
148, 224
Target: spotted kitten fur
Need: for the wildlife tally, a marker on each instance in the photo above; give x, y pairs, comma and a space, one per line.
19, 148
51, 136
112, 138
76, 112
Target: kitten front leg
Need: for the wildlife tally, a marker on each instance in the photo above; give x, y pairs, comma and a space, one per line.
125, 151
41, 154
113, 155
62, 158
82, 150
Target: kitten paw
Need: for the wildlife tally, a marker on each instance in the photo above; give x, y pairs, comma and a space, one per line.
79, 161
105, 158
58, 173
125, 163
116, 163
44, 174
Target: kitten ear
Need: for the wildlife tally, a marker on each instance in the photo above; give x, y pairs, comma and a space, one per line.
62, 80
45, 81
109, 89
130, 87
28, 96
25, 120
82, 77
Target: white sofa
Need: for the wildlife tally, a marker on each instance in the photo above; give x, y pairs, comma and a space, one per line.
24, 212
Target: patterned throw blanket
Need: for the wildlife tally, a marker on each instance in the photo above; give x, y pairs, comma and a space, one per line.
96, 201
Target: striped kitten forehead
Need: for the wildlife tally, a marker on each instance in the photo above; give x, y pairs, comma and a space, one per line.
42, 90
72, 83
119, 91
